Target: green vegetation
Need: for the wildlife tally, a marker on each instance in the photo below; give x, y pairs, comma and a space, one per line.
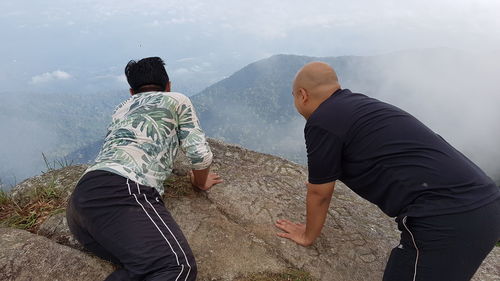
291, 275
56, 164
4, 197
178, 186
41, 202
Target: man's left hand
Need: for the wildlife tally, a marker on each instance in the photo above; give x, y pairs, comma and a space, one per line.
294, 231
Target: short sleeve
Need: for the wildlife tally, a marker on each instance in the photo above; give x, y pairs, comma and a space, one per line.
324, 155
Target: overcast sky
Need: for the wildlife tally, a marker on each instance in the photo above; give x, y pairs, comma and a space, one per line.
89, 41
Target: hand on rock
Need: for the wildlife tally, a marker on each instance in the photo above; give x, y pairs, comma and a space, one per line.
212, 179
294, 231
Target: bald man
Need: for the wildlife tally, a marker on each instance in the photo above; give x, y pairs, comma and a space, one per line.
447, 209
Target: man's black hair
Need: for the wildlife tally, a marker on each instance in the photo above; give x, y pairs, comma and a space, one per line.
147, 71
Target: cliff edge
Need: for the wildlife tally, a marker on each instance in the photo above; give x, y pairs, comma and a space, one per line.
230, 228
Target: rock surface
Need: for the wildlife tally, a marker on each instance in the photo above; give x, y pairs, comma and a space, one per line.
26, 257
230, 228
56, 228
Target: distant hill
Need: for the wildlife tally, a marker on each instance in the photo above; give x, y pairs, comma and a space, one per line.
452, 92
254, 107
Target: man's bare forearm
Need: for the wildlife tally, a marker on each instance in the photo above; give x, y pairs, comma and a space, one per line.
200, 177
318, 201
204, 180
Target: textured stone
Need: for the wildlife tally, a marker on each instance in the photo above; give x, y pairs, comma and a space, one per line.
231, 227
28, 257
262, 188
223, 249
56, 229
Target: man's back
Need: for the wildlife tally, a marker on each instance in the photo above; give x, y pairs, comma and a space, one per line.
391, 159
144, 136
448, 210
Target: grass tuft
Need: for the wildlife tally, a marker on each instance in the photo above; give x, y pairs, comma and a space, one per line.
55, 164
178, 186
43, 201
4, 197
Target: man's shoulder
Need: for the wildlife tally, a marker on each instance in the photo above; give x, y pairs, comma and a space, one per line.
176, 98
354, 105
175, 95
340, 111
345, 97
333, 108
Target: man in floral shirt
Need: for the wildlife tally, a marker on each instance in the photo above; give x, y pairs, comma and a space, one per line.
116, 210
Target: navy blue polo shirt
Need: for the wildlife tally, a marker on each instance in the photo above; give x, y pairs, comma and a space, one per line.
388, 157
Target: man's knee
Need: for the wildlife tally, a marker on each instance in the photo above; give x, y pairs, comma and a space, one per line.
182, 271
194, 270
189, 266
182, 267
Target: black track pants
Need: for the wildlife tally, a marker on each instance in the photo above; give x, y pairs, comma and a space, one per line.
444, 248
128, 224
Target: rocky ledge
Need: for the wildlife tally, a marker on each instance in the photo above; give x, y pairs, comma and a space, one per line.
230, 228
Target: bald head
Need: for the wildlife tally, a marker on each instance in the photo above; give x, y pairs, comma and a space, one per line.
313, 84
318, 78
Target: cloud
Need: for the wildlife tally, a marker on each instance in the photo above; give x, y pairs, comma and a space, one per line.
195, 68
121, 78
317, 28
188, 59
50, 76
181, 71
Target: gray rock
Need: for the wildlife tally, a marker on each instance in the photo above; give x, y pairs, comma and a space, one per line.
223, 249
231, 227
490, 269
259, 189
29, 257
56, 229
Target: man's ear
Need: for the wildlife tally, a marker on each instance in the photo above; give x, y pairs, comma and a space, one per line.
303, 95
168, 86
131, 91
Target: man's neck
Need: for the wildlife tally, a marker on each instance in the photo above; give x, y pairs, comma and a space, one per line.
150, 88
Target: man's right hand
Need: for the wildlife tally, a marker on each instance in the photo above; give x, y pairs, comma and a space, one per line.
204, 180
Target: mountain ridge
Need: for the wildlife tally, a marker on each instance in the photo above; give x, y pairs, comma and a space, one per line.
253, 107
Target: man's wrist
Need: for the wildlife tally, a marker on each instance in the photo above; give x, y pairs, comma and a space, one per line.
194, 183
309, 238
199, 186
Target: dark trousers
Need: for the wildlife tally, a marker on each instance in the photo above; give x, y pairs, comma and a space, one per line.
445, 248
127, 223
